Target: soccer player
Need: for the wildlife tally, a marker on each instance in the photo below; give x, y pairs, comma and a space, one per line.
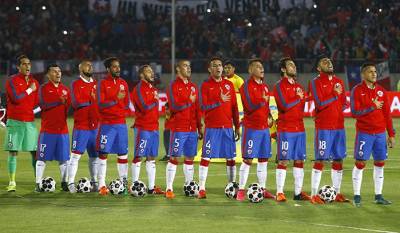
86, 124
145, 99
256, 141
291, 137
220, 108
21, 134
237, 81
327, 91
53, 144
112, 96
186, 125
371, 108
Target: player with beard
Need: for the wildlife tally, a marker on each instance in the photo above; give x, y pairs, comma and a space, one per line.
145, 99
86, 124
113, 103
53, 143
291, 136
327, 91
186, 126
221, 113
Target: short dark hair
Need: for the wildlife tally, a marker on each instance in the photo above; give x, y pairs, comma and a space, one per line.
107, 62
215, 58
319, 58
229, 62
282, 63
366, 65
51, 66
141, 68
253, 60
20, 57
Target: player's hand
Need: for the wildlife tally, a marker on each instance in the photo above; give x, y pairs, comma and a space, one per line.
338, 88
237, 134
300, 93
63, 99
121, 94
390, 142
200, 134
378, 104
33, 86
265, 97
192, 97
156, 95
225, 97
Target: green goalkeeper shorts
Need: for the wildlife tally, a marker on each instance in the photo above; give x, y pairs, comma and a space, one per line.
20, 136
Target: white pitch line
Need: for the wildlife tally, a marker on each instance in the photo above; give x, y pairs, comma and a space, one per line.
347, 227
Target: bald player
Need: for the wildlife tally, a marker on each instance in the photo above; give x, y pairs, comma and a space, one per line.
85, 124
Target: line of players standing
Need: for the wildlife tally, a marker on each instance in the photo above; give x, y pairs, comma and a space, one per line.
100, 125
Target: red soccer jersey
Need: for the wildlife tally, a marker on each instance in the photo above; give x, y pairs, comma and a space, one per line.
111, 109
255, 107
83, 101
20, 102
370, 119
185, 115
54, 111
219, 114
290, 106
146, 106
329, 105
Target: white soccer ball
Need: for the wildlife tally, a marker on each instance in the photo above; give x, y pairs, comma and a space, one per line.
48, 184
191, 189
255, 193
83, 185
138, 189
116, 187
231, 190
327, 193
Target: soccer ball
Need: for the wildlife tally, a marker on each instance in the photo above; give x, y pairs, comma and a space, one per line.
116, 187
191, 188
138, 189
48, 184
327, 193
84, 185
255, 193
231, 190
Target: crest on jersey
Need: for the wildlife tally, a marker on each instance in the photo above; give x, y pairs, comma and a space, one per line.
298, 89
121, 87
193, 89
64, 92
380, 93
227, 87
94, 86
337, 85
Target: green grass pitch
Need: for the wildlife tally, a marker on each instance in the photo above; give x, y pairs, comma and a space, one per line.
26, 211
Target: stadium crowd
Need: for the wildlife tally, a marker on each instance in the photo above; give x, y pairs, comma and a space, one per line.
69, 30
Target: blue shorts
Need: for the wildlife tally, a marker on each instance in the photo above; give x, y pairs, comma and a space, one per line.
146, 143
112, 139
291, 146
53, 147
330, 144
83, 140
366, 144
219, 143
256, 143
183, 143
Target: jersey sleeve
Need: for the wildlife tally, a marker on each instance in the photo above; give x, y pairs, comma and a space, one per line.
321, 101
358, 107
177, 100
77, 98
206, 103
45, 101
103, 100
283, 102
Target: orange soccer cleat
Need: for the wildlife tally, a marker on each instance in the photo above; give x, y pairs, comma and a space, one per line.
156, 190
169, 194
341, 198
316, 200
103, 191
280, 197
303, 196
